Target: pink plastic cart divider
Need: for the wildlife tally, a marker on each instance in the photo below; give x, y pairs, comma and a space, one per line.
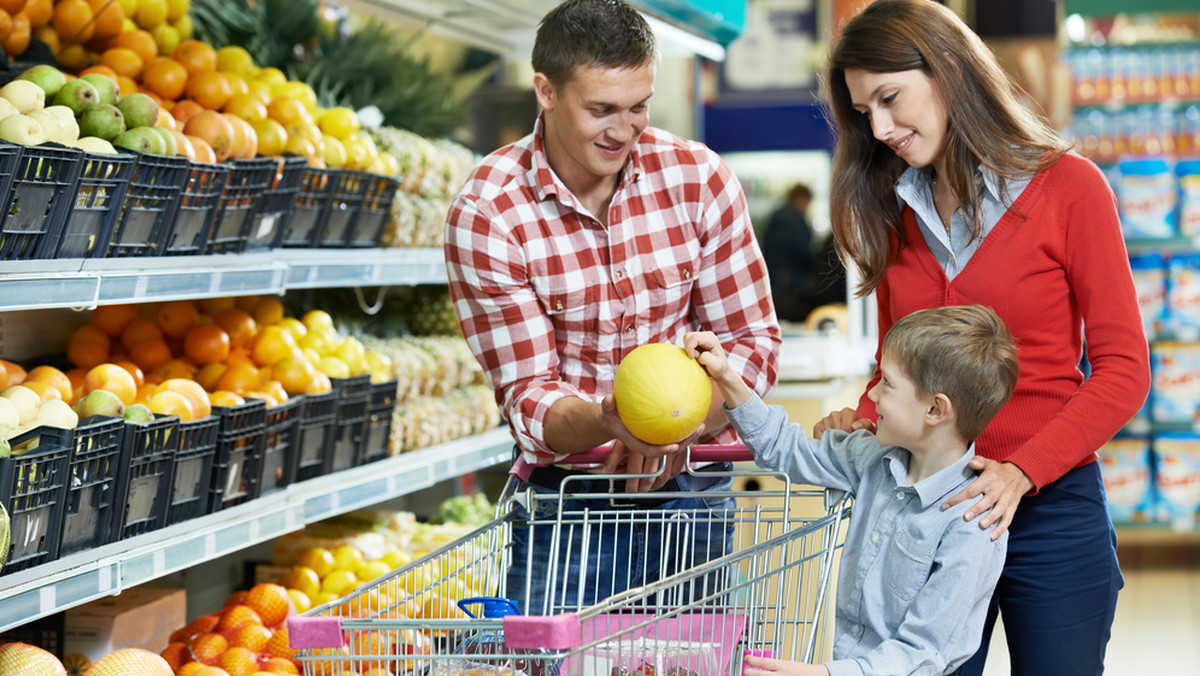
314, 632
702, 454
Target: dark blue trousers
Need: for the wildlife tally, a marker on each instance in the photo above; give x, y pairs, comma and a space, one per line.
1058, 591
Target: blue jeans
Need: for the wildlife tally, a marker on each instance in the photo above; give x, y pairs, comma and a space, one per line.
1058, 590
627, 545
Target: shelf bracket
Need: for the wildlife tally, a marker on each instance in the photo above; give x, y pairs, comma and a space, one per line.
362, 302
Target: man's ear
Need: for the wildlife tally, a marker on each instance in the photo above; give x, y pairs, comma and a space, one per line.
940, 410
544, 89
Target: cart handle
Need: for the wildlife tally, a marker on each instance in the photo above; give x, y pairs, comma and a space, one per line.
707, 454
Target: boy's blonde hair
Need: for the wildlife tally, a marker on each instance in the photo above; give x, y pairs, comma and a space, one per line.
962, 351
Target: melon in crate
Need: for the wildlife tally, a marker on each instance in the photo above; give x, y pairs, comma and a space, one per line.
22, 659
662, 394
130, 662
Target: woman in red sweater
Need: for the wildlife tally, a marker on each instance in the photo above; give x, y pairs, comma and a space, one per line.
947, 191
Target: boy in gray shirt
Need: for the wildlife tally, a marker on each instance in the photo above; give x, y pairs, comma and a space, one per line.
915, 581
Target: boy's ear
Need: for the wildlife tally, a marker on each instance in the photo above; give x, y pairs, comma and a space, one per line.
940, 410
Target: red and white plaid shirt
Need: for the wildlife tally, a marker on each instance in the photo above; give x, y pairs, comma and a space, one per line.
551, 300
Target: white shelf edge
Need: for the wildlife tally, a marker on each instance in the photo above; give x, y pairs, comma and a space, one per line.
71, 581
86, 283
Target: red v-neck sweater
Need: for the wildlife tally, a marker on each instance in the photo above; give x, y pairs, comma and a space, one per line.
1056, 270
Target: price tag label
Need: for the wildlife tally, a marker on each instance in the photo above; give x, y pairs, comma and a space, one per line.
140, 286
313, 272
210, 545
159, 563
254, 530
47, 599
105, 575
214, 281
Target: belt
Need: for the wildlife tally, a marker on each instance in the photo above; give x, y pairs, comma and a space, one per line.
552, 477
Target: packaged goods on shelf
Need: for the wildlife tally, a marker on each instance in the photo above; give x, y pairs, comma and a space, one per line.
1188, 173
1175, 381
287, 549
1183, 294
1150, 281
1177, 477
1146, 194
420, 422
142, 617
1125, 466
428, 366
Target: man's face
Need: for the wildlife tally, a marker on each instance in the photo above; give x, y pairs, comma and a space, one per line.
593, 120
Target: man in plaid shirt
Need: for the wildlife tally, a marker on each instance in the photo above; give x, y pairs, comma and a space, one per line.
591, 236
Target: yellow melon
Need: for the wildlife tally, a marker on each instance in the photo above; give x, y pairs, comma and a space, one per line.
130, 662
22, 659
662, 394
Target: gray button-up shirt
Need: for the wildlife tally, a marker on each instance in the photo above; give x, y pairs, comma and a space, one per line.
915, 581
953, 249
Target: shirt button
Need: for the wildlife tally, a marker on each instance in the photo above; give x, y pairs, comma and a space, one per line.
875, 537
558, 306
687, 274
629, 329
858, 584
899, 495
619, 273
856, 629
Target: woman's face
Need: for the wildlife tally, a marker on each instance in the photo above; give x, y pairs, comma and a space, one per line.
905, 112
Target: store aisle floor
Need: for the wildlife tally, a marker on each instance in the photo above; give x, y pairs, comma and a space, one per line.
1158, 613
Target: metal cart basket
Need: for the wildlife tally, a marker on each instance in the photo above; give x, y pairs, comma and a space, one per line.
766, 588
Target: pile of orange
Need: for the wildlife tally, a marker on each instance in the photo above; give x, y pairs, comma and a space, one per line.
248, 636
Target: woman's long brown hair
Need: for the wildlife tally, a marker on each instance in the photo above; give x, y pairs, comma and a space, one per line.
988, 126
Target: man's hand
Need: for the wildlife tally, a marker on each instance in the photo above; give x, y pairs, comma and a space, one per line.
764, 666
1002, 484
846, 420
640, 457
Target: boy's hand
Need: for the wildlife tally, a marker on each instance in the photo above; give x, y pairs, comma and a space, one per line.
764, 666
846, 420
704, 347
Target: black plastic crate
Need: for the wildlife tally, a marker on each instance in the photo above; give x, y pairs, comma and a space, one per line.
380, 406
302, 226
316, 434
267, 224
47, 633
102, 185
147, 465
33, 488
240, 442
373, 214
149, 207
193, 469
195, 210
38, 200
346, 447
347, 191
92, 489
281, 448
244, 192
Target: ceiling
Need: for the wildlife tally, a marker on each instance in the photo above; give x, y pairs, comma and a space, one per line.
507, 26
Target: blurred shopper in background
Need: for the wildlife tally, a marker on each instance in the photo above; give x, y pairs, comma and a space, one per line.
786, 246
946, 191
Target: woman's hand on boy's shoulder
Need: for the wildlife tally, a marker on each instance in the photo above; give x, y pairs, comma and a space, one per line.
1002, 485
846, 420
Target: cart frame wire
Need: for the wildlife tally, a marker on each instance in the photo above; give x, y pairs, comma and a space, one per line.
768, 591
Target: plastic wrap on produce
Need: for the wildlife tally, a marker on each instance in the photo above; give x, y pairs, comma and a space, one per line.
287, 548
427, 421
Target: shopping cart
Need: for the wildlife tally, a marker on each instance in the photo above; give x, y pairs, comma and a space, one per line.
766, 589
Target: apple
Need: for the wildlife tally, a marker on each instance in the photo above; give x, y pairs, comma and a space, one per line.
105, 86
102, 120
22, 129
77, 95
139, 110
49, 78
25, 95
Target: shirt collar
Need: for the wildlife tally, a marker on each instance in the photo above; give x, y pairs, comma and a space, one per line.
933, 488
547, 184
915, 183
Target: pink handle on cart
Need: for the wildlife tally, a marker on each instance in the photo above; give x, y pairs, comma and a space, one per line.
708, 453
307, 632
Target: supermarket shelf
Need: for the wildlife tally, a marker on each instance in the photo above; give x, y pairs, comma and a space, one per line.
86, 283
43, 590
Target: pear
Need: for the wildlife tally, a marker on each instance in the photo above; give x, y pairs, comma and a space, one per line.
58, 413
57, 129
132, 140
22, 129
25, 95
49, 78
171, 145
138, 413
93, 144
158, 146
102, 120
99, 402
25, 401
105, 86
139, 110
77, 95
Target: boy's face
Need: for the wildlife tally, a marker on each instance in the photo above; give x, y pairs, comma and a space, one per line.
593, 120
901, 411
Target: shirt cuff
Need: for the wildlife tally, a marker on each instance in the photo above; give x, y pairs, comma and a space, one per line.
845, 668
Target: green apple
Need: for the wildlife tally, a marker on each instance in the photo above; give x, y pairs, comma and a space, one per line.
49, 78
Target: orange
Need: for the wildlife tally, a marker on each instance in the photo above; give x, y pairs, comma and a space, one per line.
39, 12
206, 344
171, 403
52, 377
165, 77
173, 368
183, 110
15, 372
17, 40
278, 646
122, 61
100, 69
213, 128
235, 617
134, 370
72, 57
206, 648
246, 106
177, 317
240, 326
201, 405
268, 310
245, 139
3, 377
237, 83
176, 655
270, 601
209, 88
238, 378
127, 86
271, 344
280, 665
88, 346
211, 306
238, 661
45, 391
149, 354
73, 21
288, 110
112, 319
202, 150
190, 669
200, 625
107, 19
275, 391
183, 144
210, 374
225, 398
112, 378
139, 41
6, 24
295, 374
138, 330
196, 56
